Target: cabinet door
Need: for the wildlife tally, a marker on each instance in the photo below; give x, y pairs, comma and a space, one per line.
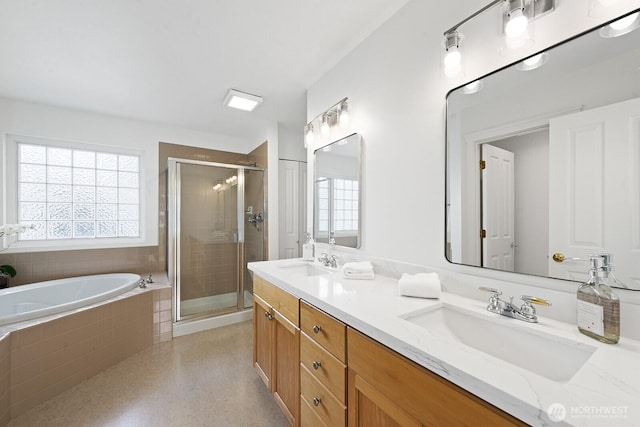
263, 340
368, 407
286, 376
387, 389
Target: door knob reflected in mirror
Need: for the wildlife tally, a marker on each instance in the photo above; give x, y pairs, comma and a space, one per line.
559, 257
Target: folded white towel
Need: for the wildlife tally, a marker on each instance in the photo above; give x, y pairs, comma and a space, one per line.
358, 270
358, 267
421, 285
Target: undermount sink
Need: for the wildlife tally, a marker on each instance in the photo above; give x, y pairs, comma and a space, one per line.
552, 357
303, 268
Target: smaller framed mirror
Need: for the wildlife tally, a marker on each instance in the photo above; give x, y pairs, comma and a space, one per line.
337, 191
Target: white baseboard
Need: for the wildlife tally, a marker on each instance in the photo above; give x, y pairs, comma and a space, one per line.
199, 325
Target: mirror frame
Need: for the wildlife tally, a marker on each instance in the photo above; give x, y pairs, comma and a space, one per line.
358, 141
447, 242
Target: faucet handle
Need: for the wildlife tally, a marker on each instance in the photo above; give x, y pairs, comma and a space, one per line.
492, 290
535, 300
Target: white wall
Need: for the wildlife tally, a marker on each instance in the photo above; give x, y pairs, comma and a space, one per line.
291, 144
396, 93
24, 118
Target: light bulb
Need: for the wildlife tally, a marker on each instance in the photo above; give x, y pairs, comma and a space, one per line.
324, 127
534, 60
472, 87
343, 118
517, 24
624, 23
309, 136
453, 58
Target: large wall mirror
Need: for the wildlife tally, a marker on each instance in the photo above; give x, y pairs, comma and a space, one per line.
336, 203
543, 162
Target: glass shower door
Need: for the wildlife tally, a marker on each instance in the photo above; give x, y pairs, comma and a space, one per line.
207, 239
216, 225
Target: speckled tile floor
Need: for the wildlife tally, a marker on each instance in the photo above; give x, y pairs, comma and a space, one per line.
204, 379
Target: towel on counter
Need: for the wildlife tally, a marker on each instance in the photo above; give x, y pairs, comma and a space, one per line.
358, 270
421, 285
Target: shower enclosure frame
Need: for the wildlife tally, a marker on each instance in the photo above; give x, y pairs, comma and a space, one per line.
174, 232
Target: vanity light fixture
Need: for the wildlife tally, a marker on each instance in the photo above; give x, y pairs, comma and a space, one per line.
232, 180
533, 62
621, 26
517, 17
217, 187
242, 100
336, 114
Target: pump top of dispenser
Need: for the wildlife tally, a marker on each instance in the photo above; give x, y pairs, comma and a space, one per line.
596, 262
608, 271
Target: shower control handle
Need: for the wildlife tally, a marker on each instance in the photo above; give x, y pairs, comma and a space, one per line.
317, 401
317, 328
316, 365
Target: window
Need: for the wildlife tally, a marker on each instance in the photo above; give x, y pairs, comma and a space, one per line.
79, 195
345, 209
70, 192
337, 205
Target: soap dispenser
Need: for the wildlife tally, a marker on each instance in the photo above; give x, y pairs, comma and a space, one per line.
598, 307
610, 278
309, 249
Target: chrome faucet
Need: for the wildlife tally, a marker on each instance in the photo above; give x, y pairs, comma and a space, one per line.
328, 260
526, 312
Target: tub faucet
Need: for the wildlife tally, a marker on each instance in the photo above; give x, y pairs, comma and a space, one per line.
526, 312
149, 279
142, 283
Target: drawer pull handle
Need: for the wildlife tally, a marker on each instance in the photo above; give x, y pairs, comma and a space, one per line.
316, 328
317, 401
268, 315
316, 365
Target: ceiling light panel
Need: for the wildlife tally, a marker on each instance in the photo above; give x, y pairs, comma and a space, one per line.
242, 100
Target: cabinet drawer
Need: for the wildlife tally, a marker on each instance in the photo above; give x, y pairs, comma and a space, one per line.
324, 366
320, 400
308, 417
281, 300
324, 329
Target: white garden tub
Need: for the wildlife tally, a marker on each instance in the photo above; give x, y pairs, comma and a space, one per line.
28, 302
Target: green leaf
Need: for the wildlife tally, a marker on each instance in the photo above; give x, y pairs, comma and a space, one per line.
7, 269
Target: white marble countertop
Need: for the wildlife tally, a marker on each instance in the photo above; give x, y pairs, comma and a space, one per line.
604, 391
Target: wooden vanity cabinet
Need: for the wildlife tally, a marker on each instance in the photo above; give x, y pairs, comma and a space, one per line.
276, 345
323, 373
322, 368
387, 389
